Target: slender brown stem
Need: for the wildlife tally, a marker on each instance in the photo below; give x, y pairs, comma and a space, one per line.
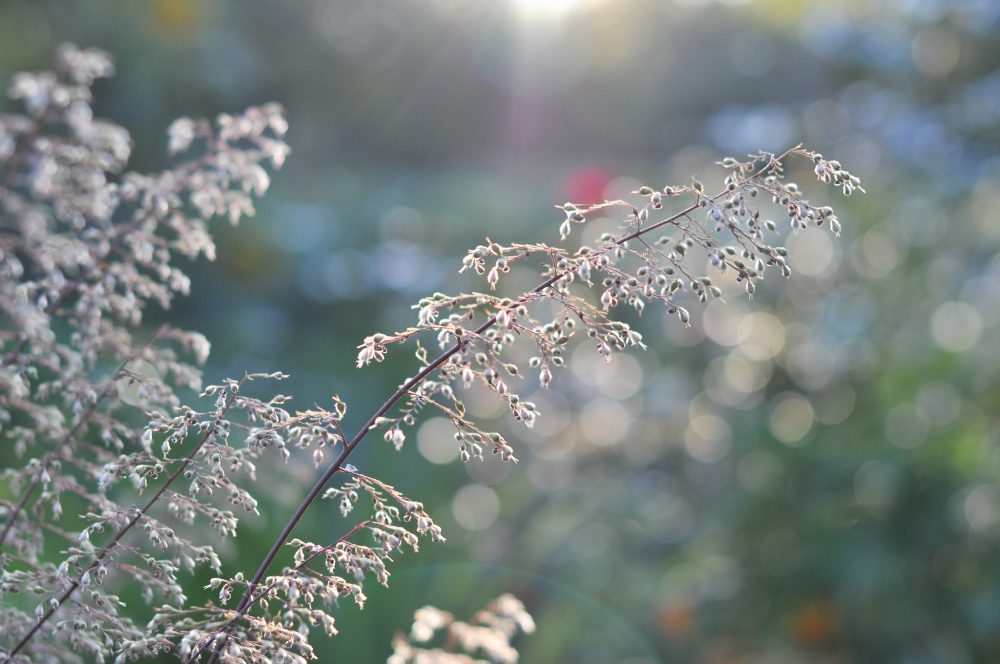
263, 593
139, 515
333, 469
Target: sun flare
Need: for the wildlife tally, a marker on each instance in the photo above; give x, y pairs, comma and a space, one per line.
541, 9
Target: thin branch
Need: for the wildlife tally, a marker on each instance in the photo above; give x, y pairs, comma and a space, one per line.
240, 612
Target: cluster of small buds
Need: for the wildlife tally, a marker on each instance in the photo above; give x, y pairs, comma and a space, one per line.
831, 172
488, 634
389, 507
298, 599
632, 276
396, 436
372, 348
473, 443
476, 259
574, 215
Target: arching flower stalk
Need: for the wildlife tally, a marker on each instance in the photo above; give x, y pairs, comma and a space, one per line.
676, 259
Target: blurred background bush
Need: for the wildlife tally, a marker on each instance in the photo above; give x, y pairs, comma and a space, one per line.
813, 477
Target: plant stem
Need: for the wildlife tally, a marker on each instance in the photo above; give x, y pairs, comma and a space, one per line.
263, 593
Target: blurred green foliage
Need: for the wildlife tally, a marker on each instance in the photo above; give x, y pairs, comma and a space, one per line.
810, 477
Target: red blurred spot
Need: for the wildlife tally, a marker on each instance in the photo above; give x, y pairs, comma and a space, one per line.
586, 185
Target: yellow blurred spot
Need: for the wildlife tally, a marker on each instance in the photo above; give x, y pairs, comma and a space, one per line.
762, 334
175, 14
811, 251
956, 326
722, 321
791, 418
778, 12
708, 438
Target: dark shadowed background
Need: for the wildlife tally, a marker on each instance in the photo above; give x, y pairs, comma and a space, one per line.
812, 476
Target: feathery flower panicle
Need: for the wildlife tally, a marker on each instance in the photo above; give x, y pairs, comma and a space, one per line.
677, 259
89, 246
488, 634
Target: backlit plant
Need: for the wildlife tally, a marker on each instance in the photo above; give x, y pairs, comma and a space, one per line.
90, 413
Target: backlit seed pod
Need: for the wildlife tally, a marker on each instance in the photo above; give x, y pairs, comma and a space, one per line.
545, 376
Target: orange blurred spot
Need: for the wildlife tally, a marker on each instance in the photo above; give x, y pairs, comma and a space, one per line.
676, 618
813, 622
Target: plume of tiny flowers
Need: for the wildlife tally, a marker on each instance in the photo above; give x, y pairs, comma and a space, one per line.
677, 246
89, 414
485, 638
